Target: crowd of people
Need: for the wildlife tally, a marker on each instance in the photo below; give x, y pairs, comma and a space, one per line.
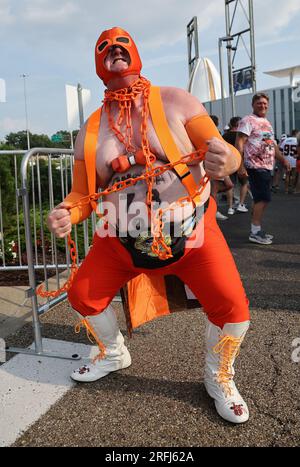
266, 161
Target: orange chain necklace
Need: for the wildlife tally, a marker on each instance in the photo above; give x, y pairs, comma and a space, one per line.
124, 97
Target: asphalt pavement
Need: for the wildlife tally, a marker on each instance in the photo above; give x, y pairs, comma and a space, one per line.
160, 399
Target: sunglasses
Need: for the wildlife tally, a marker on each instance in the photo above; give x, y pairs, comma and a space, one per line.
108, 42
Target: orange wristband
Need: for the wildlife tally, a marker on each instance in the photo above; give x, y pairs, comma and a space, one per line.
201, 128
79, 190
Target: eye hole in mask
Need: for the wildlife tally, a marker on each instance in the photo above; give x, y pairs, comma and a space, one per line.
125, 40
102, 46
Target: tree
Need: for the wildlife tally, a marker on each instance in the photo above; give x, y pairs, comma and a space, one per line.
7, 186
19, 140
64, 138
5, 147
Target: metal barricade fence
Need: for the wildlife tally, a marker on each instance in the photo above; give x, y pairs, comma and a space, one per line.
41, 180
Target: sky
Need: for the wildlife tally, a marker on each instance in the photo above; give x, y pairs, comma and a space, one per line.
52, 42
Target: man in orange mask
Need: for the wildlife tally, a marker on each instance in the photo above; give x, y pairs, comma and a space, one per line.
133, 149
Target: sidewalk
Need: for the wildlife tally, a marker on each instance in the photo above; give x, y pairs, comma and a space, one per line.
15, 308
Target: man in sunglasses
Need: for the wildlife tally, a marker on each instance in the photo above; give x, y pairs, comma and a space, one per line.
132, 149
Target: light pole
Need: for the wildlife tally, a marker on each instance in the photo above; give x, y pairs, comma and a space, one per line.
81, 123
252, 46
223, 39
26, 113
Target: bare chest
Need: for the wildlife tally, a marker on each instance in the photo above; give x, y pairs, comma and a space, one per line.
110, 145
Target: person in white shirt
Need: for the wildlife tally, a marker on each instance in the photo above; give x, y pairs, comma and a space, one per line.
297, 187
289, 150
257, 145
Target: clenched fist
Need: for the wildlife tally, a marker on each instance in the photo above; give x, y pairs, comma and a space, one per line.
59, 220
219, 160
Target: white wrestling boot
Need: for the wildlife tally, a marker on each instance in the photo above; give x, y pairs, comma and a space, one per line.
113, 355
222, 347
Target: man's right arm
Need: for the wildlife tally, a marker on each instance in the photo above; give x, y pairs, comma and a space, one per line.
61, 218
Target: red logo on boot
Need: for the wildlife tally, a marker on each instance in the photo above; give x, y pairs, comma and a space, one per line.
83, 369
237, 409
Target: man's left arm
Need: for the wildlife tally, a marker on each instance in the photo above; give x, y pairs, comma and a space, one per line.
221, 158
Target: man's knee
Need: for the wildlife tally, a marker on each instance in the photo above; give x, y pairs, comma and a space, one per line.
79, 302
75, 299
72, 296
233, 311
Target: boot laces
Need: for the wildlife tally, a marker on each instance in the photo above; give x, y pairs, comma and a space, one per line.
228, 347
92, 337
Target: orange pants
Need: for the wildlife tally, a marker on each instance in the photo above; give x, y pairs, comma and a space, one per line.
209, 271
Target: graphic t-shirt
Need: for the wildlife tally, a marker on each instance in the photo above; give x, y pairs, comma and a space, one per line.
259, 150
289, 149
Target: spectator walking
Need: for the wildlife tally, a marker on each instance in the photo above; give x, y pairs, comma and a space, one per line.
230, 137
219, 186
256, 143
278, 171
297, 187
289, 150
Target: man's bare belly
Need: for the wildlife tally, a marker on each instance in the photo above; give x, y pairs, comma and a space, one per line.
127, 208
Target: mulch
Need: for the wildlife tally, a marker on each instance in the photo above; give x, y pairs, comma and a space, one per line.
20, 278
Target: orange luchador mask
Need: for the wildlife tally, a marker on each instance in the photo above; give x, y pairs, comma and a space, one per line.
116, 36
